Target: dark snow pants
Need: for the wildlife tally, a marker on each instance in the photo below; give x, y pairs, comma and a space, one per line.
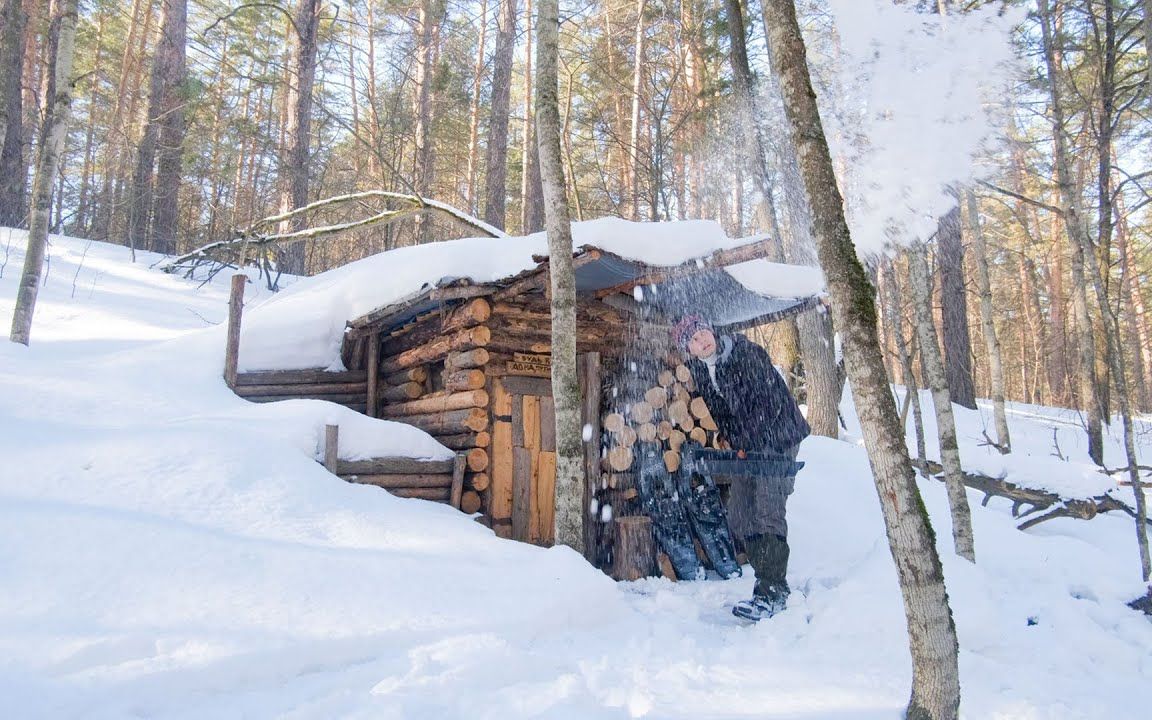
757, 506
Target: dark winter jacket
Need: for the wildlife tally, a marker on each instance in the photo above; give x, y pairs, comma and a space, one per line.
753, 407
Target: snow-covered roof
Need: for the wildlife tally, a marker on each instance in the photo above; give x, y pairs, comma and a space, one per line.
304, 325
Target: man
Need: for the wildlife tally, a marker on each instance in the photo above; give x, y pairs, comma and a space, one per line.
755, 412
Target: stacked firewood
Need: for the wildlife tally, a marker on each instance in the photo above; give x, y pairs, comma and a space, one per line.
432, 375
669, 413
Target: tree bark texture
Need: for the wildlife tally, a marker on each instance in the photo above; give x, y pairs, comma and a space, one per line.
496, 158
893, 304
298, 127
565, 381
991, 341
813, 330
933, 367
931, 631
1077, 237
171, 68
954, 315
51, 146
639, 43
11, 114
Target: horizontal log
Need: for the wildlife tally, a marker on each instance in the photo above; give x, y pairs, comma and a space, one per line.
666, 378
400, 358
434, 494
620, 458
465, 441
672, 460
301, 377
683, 374
392, 482
416, 374
614, 422
656, 397
434, 324
451, 422
394, 466
477, 459
465, 359
641, 412
407, 391
479, 481
426, 405
646, 432
698, 435
339, 399
699, 408
464, 380
470, 502
298, 388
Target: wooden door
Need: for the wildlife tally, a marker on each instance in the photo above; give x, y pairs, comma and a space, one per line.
533, 459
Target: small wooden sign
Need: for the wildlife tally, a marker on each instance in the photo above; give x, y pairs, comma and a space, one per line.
531, 365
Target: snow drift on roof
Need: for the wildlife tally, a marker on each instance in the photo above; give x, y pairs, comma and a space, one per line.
304, 325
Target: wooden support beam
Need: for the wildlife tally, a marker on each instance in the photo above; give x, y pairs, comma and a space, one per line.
458, 467
394, 466
235, 312
373, 369
331, 448
314, 376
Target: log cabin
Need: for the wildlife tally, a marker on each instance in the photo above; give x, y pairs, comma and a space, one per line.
468, 362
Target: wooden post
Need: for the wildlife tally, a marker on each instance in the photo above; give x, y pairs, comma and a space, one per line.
458, 479
373, 401
331, 447
589, 373
235, 310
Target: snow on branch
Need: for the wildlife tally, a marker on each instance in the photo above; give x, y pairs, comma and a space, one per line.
254, 243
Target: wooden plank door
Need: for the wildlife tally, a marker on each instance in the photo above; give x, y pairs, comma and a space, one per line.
533, 460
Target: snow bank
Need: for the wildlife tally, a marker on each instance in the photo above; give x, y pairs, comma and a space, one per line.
171, 551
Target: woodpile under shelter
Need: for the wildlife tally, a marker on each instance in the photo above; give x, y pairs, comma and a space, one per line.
469, 363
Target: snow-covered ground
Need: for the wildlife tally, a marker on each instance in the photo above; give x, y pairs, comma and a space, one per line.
169, 550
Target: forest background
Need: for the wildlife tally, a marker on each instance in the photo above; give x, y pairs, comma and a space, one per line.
192, 120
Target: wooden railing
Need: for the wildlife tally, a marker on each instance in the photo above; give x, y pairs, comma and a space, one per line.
436, 480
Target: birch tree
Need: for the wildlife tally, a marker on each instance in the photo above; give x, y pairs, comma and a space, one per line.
988, 326
565, 382
933, 366
931, 631
51, 145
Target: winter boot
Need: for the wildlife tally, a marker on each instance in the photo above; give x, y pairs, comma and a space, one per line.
768, 555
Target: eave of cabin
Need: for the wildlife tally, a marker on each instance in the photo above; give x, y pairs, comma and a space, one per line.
701, 286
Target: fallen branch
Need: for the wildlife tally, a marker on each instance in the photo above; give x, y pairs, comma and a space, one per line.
254, 242
1041, 504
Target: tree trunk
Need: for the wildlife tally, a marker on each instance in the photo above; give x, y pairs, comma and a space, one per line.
954, 315
51, 145
895, 316
639, 43
565, 383
171, 68
931, 631
1148, 43
474, 112
1142, 350
531, 190
12, 114
933, 367
812, 331
298, 128
496, 159
991, 342
1077, 238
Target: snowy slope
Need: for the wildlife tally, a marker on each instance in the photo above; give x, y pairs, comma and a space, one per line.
168, 550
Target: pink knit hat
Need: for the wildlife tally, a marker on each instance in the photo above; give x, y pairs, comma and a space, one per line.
686, 328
